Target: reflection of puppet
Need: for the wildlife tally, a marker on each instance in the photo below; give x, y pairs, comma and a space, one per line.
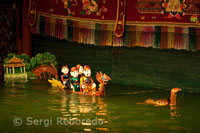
65, 77
86, 82
74, 81
174, 112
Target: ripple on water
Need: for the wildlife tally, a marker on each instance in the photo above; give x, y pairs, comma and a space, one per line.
119, 112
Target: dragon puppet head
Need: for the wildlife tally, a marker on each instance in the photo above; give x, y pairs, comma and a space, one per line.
102, 78
175, 90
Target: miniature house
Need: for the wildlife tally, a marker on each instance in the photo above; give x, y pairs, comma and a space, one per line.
11, 69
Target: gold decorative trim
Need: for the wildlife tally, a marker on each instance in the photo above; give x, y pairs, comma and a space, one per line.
152, 23
117, 19
77, 18
29, 12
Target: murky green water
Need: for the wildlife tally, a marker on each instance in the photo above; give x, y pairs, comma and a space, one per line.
43, 108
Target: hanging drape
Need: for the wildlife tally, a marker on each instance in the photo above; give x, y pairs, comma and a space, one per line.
126, 23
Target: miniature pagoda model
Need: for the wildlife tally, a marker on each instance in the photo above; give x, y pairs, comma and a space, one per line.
12, 66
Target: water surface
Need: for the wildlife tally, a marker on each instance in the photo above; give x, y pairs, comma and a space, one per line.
43, 108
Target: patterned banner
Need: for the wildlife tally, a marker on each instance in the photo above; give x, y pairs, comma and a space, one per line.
164, 37
165, 24
140, 11
157, 12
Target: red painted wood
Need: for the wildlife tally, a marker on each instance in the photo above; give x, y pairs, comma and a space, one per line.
26, 32
19, 36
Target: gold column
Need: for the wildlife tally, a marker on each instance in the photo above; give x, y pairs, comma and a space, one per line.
9, 70
24, 69
6, 70
13, 70
21, 69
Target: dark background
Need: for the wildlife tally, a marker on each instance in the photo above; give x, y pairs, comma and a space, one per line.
142, 67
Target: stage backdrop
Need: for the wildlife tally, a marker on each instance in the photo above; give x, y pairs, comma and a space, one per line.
161, 24
7, 30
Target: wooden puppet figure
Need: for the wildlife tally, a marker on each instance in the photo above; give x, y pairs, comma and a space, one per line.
165, 102
80, 70
65, 77
74, 80
86, 82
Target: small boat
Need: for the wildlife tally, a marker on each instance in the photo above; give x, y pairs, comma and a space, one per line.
92, 93
103, 80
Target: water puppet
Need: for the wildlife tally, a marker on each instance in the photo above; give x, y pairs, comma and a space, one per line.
86, 82
65, 77
80, 70
74, 80
88, 85
103, 80
164, 102
57, 84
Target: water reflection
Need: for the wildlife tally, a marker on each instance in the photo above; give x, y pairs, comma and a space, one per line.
13, 82
174, 112
119, 112
84, 108
175, 109
13, 92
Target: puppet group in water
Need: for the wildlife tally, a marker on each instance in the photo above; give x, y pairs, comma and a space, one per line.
79, 80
